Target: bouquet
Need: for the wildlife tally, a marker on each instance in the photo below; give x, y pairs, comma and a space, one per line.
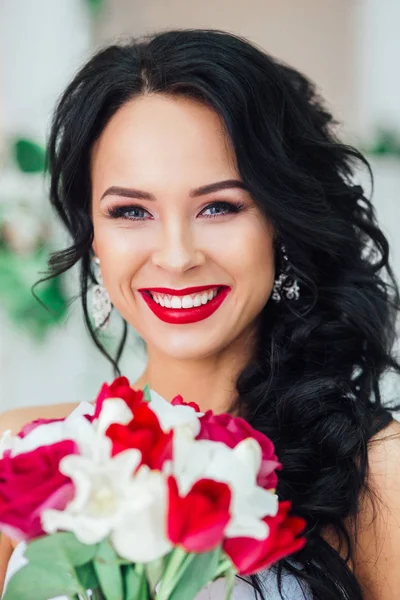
136, 498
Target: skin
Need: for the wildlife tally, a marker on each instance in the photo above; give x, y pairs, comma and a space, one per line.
167, 147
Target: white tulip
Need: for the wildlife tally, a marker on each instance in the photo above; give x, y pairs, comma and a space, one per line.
111, 501
238, 467
89, 437
171, 416
141, 532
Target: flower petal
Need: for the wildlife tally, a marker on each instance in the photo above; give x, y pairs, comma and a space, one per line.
114, 410
174, 415
140, 535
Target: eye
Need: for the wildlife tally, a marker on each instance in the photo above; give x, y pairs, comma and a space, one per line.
218, 209
133, 213
138, 213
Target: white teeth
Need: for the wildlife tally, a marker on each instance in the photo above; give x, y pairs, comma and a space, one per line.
197, 300
176, 302
188, 301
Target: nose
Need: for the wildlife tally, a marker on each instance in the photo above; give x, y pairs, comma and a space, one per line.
178, 251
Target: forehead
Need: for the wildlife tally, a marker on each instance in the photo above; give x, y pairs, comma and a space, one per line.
163, 136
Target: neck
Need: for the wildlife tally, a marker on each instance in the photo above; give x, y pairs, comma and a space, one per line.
210, 382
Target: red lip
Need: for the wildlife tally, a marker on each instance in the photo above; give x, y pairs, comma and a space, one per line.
182, 316
183, 292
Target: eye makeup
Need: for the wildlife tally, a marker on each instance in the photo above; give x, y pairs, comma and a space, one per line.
123, 211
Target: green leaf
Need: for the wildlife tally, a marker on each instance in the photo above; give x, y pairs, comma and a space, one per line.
135, 583
146, 393
154, 571
200, 571
87, 576
124, 561
48, 549
194, 574
57, 550
77, 553
62, 547
30, 156
107, 568
47, 581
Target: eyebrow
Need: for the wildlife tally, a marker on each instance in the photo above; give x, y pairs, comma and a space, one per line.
201, 191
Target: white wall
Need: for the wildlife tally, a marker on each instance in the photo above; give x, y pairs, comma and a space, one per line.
316, 36
377, 59
386, 201
42, 43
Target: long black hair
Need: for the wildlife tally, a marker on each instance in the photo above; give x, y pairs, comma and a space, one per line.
313, 384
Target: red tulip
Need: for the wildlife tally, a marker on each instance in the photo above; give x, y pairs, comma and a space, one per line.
250, 555
120, 388
179, 401
145, 434
197, 521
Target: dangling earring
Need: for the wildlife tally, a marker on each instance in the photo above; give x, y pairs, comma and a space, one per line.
286, 284
101, 303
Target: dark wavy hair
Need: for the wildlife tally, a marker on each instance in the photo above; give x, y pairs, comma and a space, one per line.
314, 383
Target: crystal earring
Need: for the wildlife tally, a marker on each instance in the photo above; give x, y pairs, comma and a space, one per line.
101, 303
286, 284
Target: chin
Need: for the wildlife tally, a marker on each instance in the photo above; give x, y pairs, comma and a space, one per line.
190, 348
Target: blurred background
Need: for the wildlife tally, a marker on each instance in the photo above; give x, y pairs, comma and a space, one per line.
350, 48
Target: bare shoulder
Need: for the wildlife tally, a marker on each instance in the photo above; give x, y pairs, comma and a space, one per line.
382, 449
377, 544
384, 467
16, 418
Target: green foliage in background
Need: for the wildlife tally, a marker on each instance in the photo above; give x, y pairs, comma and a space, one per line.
17, 275
21, 265
385, 143
95, 5
29, 156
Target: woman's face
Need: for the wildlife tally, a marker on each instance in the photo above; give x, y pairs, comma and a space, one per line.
175, 238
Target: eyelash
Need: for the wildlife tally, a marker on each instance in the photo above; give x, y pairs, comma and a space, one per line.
119, 212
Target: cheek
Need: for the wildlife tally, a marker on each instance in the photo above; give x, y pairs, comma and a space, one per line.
259, 270
121, 252
247, 252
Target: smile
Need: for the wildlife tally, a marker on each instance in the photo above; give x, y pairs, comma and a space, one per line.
184, 306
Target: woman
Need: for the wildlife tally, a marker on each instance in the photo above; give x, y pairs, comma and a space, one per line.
202, 180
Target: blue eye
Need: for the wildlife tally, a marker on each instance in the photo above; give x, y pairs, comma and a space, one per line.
137, 213
126, 212
223, 208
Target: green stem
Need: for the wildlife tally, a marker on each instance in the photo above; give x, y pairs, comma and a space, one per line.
224, 566
173, 572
